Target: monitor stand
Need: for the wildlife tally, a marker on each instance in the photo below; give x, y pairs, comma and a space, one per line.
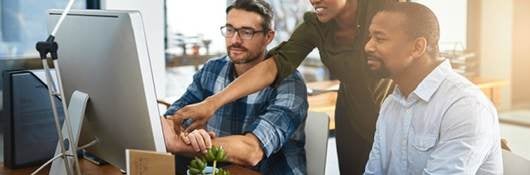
76, 111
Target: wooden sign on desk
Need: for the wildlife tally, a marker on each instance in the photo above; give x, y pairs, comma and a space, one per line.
140, 162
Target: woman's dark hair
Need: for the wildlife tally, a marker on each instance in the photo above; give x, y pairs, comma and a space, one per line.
257, 6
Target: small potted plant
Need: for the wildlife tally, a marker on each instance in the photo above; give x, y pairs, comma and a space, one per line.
199, 165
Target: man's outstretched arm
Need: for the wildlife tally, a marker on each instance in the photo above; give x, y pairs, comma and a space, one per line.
241, 149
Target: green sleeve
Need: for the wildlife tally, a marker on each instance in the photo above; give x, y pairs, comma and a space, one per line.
290, 54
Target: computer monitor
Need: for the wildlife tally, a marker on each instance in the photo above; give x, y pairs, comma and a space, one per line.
104, 54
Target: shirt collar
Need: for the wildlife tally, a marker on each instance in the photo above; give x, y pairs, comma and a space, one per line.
427, 87
430, 84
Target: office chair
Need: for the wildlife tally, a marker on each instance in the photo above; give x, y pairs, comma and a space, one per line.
316, 142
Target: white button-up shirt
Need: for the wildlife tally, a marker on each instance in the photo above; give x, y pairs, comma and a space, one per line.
445, 126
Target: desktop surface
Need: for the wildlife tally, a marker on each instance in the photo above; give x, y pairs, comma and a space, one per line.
86, 168
89, 168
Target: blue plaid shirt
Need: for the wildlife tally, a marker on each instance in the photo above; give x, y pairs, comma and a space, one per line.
275, 115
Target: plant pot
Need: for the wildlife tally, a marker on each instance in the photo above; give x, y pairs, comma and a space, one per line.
207, 171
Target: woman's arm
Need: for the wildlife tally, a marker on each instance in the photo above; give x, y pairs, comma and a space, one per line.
282, 61
255, 79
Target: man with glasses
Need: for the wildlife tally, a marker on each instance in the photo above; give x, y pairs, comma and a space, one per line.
264, 130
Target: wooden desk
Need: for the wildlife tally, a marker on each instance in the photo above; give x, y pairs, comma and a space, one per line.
325, 102
491, 88
88, 168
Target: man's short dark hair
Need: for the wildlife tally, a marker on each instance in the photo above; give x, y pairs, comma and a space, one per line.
260, 7
420, 22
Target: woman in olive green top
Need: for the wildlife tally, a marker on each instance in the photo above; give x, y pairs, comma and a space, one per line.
338, 28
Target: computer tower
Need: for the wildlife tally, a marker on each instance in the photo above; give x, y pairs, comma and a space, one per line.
30, 135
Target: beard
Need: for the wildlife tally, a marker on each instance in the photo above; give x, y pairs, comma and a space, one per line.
381, 71
249, 57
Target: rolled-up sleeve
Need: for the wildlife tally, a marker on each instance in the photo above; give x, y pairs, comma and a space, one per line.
282, 117
468, 132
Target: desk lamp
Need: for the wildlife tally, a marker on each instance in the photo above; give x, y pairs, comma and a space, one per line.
68, 145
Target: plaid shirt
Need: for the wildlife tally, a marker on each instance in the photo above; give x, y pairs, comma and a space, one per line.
275, 115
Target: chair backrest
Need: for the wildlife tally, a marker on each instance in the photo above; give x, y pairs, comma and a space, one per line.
514, 164
316, 145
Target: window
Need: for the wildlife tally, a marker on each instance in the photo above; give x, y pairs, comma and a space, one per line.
192, 23
188, 26
24, 22
287, 15
452, 16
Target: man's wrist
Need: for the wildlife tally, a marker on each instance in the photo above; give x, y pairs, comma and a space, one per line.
180, 148
215, 101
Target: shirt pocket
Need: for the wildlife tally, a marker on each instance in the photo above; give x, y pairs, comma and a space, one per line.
424, 143
420, 151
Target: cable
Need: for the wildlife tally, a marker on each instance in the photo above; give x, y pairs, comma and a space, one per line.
48, 162
93, 142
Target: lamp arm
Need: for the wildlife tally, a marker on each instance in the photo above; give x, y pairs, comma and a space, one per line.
65, 12
50, 46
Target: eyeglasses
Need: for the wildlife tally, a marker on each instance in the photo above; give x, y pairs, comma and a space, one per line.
244, 33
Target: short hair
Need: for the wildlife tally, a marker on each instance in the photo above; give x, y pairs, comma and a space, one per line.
260, 7
420, 22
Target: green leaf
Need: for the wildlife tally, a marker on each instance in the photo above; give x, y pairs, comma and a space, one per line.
222, 172
220, 155
210, 156
193, 164
225, 157
201, 164
195, 171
